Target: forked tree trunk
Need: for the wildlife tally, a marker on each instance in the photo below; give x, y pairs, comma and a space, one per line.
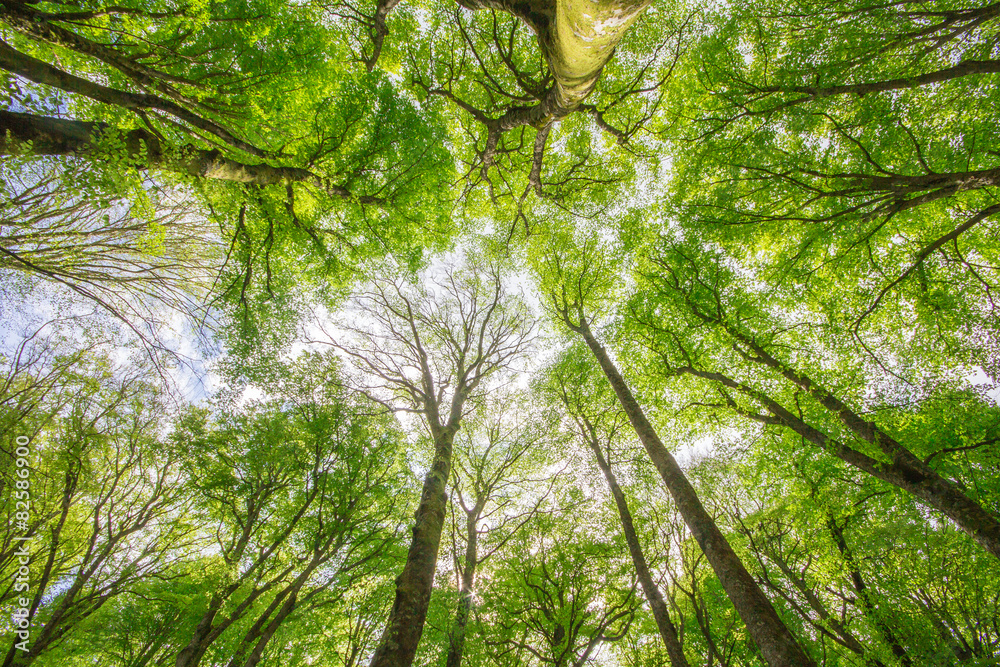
577, 39
191, 654
776, 643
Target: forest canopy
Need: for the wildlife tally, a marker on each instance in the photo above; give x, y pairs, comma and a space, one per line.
499, 333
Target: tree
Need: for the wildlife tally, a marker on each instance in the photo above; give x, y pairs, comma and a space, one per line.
204, 99
103, 496
770, 224
496, 487
598, 424
177, 109
573, 285
562, 597
704, 298
139, 256
432, 351
817, 157
301, 498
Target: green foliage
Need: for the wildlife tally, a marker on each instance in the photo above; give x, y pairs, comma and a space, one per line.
779, 218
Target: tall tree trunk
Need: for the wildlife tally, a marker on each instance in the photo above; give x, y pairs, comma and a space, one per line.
776, 643
656, 603
398, 643
456, 638
864, 596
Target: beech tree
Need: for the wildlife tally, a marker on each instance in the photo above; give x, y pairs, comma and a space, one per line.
300, 513
598, 424
103, 494
764, 236
139, 254
575, 281
704, 301
431, 351
495, 469
562, 598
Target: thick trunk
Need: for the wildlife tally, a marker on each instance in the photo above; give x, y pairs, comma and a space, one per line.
399, 641
935, 185
656, 603
456, 638
191, 654
379, 30
577, 38
582, 41
776, 643
56, 136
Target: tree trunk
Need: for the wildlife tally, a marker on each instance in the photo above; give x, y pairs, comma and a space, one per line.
191, 654
577, 39
398, 643
864, 596
904, 470
258, 650
656, 603
43, 73
143, 150
829, 625
456, 638
582, 41
776, 643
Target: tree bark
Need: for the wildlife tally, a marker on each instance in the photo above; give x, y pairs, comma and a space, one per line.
456, 638
379, 30
656, 603
577, 39
43, 73
38, 26
776, 643
903, 470
143, 150
398, 644
583, 41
